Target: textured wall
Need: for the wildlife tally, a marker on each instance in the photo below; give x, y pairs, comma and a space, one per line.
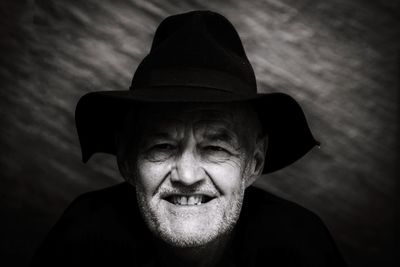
337, 58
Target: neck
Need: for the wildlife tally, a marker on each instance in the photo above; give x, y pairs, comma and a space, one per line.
206, 255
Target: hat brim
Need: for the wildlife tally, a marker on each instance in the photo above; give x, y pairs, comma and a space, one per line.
99, 115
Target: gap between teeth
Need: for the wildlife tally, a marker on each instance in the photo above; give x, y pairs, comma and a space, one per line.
187, 200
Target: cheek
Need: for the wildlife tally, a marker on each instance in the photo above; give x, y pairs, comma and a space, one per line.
150, 175
227, 177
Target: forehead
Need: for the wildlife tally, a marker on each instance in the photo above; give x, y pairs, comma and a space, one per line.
236, 122
198, 115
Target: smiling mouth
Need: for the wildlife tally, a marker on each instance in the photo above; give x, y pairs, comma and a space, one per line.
188, 200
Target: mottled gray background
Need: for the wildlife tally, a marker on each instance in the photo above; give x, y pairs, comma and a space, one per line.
337, 58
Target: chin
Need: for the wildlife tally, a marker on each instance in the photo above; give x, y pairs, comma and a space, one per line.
183, 239
188, 236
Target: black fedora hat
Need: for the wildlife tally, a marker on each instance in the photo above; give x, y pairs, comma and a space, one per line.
195, 57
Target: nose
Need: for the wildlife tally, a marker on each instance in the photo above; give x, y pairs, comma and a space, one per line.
187, 169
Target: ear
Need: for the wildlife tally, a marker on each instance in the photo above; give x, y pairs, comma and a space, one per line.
123, 164
126, 170
258, 160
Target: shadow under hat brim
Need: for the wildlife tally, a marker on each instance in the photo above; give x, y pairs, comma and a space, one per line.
99, 115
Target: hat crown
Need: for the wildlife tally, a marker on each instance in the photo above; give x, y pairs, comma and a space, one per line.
196, 49
195, 57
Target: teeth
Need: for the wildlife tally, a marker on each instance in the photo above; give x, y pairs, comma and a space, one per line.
188, 200
191, 200
183, 201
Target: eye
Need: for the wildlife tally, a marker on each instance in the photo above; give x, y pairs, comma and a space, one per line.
215, 148
160, 152
218, 151
163, 147
215, 153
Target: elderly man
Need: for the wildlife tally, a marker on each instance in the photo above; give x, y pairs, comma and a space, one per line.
191, 136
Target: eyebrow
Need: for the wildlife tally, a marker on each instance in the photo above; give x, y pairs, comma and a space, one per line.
223, 135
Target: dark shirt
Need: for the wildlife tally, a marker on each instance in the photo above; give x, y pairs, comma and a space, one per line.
105, 228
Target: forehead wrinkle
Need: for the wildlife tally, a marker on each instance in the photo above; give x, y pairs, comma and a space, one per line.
161, 127
220, 128
225, 125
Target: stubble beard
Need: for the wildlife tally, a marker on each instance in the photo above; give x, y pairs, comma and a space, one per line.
219, 224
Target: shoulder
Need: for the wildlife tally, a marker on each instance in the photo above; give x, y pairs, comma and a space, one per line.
102, 223
111, 207
287, 231
277, 216
94, 200
263, 204
111, 193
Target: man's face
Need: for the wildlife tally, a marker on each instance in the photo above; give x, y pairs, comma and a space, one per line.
190, 168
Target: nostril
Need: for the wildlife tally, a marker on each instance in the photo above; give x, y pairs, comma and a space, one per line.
187, 170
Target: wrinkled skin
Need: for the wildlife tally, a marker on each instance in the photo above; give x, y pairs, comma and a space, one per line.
211, 151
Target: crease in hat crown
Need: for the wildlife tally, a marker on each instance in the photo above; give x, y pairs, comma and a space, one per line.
197, 49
